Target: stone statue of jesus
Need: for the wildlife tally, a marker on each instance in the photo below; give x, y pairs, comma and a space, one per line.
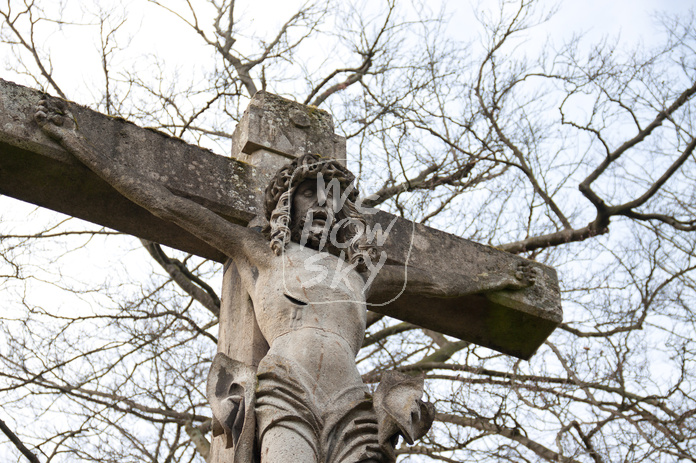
308, 276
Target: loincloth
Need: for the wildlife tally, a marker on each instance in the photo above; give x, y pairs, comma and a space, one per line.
341, 428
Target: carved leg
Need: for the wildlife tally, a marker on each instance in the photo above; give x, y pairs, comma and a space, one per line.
282, 445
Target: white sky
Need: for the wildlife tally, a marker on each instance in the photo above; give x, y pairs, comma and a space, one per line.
76, 59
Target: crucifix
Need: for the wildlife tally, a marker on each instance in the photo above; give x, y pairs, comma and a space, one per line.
303, 261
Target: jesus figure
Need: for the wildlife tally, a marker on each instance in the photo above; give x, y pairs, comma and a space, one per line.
309, 275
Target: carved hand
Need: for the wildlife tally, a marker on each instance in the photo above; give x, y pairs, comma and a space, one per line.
521, 276
54, 118
525, 275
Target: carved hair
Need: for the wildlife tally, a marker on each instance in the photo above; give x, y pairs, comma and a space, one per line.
278, 200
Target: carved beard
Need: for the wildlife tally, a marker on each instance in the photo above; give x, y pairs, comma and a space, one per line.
311, 234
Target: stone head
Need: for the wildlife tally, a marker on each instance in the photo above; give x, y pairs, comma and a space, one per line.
311, 201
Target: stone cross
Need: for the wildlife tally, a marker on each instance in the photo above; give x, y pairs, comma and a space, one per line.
272, 132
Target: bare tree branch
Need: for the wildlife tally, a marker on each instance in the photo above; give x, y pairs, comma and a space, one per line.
18, 443
186, 280
516, 435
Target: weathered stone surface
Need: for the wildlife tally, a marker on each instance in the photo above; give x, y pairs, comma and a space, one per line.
236, 310
313, 318
36, 169
287, 128
397, 401
514, 322
231, 393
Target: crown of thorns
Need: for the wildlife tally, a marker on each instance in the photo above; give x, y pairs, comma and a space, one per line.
306, 167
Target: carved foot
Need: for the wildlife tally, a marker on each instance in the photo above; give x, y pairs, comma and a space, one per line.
54, 118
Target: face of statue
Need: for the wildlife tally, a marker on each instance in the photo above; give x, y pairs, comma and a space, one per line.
312, 215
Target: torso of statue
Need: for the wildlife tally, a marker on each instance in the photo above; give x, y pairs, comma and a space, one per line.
310, 307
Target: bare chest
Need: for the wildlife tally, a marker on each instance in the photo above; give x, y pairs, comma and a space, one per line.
310, 289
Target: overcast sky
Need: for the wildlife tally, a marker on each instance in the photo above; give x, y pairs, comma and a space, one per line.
76, 58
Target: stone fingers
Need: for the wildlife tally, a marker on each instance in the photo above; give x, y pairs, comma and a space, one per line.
525, 274
53, 116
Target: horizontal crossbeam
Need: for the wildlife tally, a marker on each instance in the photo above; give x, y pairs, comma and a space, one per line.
35, 169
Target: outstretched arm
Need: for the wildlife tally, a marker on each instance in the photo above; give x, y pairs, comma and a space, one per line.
392, 280
56, 121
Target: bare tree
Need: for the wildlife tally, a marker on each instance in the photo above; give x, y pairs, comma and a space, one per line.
578, 155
